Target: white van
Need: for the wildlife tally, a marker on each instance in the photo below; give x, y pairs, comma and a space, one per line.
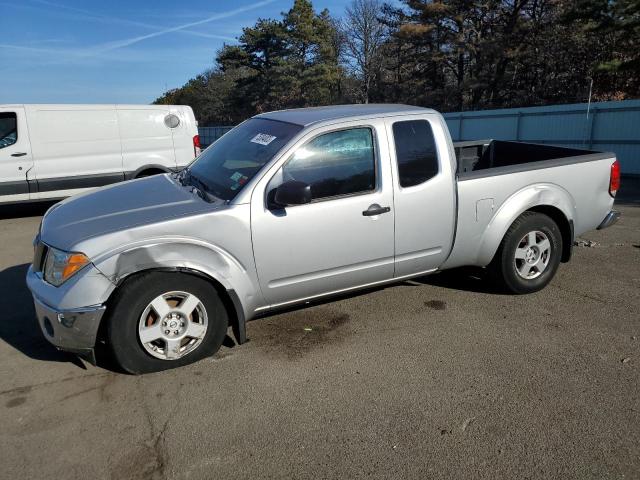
55, 151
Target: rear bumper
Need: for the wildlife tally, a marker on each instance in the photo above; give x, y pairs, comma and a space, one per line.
611, 218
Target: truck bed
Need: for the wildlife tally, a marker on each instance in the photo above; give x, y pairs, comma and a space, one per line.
497, 178
481, 155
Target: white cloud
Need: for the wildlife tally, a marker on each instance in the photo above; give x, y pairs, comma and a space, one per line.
57, 55
82, 14
218, 16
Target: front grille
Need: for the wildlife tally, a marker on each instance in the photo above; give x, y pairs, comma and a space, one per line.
39, 256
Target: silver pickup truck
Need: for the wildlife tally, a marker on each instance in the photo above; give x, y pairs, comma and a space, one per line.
295, 205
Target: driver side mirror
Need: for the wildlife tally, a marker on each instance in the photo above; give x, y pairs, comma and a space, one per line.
289, 194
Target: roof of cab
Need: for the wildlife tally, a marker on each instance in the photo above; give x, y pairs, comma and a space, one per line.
309, 116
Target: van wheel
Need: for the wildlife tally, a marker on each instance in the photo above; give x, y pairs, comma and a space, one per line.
529, 254
165, 320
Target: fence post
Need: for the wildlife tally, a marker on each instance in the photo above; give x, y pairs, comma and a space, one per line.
591, 127
518, 126
460, 128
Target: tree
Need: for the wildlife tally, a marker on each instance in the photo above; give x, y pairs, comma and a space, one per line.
612, 31
447, 54
277, 64
313, 60
364, 35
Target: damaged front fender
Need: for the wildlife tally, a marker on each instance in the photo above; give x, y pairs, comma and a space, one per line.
180, 253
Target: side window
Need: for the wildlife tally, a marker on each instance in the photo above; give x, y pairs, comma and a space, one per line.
415, 152
8, 129
336, 163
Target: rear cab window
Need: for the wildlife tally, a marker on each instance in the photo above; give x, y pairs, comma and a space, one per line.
416, 152
8, 129
334, 164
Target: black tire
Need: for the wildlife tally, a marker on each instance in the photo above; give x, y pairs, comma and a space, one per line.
130, 302
503, 267
149, 173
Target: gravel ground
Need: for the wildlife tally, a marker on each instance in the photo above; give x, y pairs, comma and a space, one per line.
435, 378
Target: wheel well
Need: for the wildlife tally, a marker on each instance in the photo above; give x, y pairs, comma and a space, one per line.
149, 171
234, 317
565, 226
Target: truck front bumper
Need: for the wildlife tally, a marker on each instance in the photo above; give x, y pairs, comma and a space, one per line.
611, 218
64, 321
71, 330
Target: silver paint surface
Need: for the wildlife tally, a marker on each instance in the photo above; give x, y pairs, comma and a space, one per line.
267, 259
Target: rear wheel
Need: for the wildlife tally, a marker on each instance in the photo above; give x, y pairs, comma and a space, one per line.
164, 320
529, 254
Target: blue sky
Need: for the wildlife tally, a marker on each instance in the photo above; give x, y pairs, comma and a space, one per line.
88, 51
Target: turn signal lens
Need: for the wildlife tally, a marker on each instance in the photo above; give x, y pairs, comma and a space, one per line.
76, 262
60, 265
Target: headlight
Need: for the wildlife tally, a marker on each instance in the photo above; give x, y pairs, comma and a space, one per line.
60, 266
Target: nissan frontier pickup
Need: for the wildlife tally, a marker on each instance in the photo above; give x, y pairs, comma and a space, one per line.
291, 206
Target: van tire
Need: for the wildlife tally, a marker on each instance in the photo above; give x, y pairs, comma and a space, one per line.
529, 254
132, 304
149, 173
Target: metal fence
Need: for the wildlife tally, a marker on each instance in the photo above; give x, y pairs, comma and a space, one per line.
208, 135
605, 126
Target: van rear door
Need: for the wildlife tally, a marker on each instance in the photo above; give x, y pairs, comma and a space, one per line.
15, 155
147, 143
184, 135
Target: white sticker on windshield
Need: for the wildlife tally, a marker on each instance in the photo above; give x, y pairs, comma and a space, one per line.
263, 139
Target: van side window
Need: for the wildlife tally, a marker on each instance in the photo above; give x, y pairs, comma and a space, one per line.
8, 129
415, 152
336, 163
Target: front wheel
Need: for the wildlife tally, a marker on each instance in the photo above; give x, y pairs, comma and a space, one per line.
164, 320
529, 254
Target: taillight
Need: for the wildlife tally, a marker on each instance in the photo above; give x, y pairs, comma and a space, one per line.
196, 145
614, 180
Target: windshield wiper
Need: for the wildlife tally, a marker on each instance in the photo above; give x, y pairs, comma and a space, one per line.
187, 178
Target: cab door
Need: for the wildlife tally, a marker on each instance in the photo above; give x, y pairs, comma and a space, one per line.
424, 194
15, 155
343, 238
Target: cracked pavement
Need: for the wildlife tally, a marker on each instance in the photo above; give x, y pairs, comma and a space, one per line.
434, 378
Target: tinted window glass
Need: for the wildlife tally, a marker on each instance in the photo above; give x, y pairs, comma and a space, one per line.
8, 129
415, 152
228, 164
336, 163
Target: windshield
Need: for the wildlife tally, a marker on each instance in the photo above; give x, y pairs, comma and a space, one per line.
227, 165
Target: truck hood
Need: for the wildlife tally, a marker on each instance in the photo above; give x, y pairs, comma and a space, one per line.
119, 207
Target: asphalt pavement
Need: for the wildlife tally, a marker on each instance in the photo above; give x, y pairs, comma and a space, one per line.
440, 377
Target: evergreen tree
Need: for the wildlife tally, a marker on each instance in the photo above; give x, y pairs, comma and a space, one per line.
446, 54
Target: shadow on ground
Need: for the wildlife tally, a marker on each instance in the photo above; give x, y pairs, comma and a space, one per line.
629, 193
468, 279
29, 209
18, 324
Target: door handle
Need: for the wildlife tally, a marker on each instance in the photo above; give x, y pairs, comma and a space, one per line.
375, 209
18, 154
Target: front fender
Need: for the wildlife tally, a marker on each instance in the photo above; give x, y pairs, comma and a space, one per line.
546, 194
185, 253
